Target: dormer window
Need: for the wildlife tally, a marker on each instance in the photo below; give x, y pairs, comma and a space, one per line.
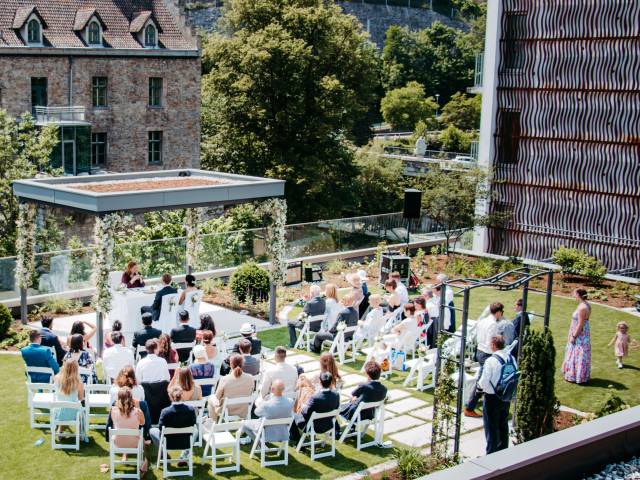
34, 32
94, 33
150, 36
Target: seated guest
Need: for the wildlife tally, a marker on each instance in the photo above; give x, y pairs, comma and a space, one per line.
190, 282
127, 416
236, 384
278, 406
78, 329
131, 277
332, 306
447, 324
166, 351
373, 323
400, 290
69, 388
433, 313
156, 306
152, 368
288, 374
117, 357
147, 333
115, 327
392, 299
356, 287
372, 391
206, 323
177, 415
309, 384
209, 345
50, 339
448, 300
80, 355
315, 306
184, 379
251, 363
323, 401
404, 335
127, 378
248, 331
35, 355
202, 368
183, 333
348, 315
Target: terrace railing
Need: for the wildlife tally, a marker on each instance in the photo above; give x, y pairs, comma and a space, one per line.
60, 115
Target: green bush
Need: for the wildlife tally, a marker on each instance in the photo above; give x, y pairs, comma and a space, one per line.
612, 403
249, 282
5, 321
483, 268
60, 305
336, 266
413, 464
574, 261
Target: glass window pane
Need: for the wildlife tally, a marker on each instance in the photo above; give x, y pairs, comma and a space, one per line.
99, 91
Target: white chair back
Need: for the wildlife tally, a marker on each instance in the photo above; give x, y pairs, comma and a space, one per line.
358, 426
116, 454
191, 304
261, 442
40, 396
77, 423
199, 406
164, 455
43, 370
97, 396
229, 402
114, 279
220, 437
168, 312
314, 442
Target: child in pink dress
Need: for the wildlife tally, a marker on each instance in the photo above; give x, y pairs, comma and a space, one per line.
622, 341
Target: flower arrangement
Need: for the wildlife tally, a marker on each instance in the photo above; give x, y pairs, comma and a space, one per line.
276, 238
172, 303
26, 225
192, 220
195, 299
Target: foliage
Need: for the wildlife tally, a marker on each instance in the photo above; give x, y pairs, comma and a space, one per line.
249, 282
379, 184
286, 84
59, 305
536, 402
483, 268
419, 257
210, 285
26, 228
578, 262
80, 259
403, 107
276, 240
441, 58
412, 463
244, 216
452, 139
612, 403
24, 152
470, 8
192, 219
49, 236
16, 337
462, 111
444, 397
5, 320
336, 266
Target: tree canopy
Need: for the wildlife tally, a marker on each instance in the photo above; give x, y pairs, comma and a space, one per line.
404, 107
463, 111
285, 86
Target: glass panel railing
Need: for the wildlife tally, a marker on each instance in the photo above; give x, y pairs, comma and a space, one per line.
154, 257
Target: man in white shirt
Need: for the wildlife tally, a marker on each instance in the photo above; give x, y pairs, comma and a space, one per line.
486, 329
152, 368
448, 301
401, 290
280, 371
495, 413
117, 357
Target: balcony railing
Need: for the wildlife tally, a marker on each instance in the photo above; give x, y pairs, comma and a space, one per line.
60, 115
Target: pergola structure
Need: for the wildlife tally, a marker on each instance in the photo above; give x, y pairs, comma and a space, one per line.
109, 196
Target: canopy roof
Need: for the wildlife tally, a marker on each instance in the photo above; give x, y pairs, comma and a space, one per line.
146, 191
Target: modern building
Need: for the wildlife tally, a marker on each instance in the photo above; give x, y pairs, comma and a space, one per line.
121, 78
560, 128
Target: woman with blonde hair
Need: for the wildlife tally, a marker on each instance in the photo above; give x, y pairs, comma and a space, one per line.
235, 384
69, 388
126, 415
310, 384
184, 378
332, 306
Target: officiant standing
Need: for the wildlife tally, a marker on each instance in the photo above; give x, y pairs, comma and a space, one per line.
131, 277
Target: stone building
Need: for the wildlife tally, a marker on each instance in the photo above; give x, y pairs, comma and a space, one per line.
121, 78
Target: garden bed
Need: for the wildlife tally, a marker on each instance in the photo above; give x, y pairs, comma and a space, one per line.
146, 184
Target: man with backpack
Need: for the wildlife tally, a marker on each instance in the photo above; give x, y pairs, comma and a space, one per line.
498, 381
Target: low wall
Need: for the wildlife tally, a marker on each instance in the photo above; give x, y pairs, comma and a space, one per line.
570, 454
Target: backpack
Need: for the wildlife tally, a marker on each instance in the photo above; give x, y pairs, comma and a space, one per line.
505, 390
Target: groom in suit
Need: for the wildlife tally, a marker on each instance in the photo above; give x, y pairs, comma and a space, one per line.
166, 289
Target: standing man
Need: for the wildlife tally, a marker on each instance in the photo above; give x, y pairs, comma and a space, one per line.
166, 289
495, 414
485, 330
315, 306
448, 300
50, 339
183, 333
35, 355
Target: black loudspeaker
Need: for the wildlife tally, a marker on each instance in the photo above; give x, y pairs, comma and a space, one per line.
412, 201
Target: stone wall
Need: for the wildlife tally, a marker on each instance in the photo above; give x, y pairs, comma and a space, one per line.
375, 19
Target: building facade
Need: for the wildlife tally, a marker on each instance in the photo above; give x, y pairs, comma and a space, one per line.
121, 79
560, 128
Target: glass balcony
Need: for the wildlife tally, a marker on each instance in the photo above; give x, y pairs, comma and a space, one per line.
74, 115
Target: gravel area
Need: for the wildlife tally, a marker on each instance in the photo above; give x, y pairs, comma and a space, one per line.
619, 471
147, 184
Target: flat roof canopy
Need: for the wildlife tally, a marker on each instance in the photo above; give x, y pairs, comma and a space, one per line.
147, 191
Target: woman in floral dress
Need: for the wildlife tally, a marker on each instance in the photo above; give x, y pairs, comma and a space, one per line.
576, 367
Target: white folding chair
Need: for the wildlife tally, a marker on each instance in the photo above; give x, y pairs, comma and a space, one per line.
314, 442
339, 346
88, 373
393, 319
357, 426
169, 308
306, 335
163, 452
282, 449
173, 366
421, 368
76, 423
114, 279
41, 370
139, 349
40, 396
225, 417
200, 407
184, 346
212, 382
116, 453
221, 438
192, 306
97, 397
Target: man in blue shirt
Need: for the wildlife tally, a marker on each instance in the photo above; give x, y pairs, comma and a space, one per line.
35, 355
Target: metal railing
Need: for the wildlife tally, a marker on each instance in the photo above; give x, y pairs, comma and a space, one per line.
478, 76
46, 115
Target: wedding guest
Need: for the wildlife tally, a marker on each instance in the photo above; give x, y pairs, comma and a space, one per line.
448, 300
392, 298
79, 354
209, 345
433, 313
117, 357
621, 342
400, 290
166, 351
332, 306
248, 331
236, 384
206, 323
202, 368
323, 401
447, 323
308, 384
146, 333
77, 328
69, 388
363, 281
278, 406
517, 321
116, 326
190, 282
183, 333
405, 334
126, 416
35, 355
373, 323
50, 339
152, 368
576, 367
281, 370
371, 391
348, 315
127, 378
356, 287
251, 363
177, 415
131, 276
315, 305
184, 379
156, 306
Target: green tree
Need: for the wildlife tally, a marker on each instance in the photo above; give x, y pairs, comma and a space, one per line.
452, 139
536, 400
404, 107
463, 111
286, 86
24, 151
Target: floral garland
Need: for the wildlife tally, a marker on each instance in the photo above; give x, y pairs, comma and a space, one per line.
276, 238
192, 223
26, 225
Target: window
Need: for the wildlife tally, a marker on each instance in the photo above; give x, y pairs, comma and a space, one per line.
150, 36
508, 137
94, 34
155, 147
513, 47
98, 149
33, 31
155, 91
38, 93
99, 91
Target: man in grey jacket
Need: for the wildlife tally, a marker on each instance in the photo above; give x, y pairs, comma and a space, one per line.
315, 305
277, 406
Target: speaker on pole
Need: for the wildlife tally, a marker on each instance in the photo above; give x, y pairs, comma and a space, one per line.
412, 202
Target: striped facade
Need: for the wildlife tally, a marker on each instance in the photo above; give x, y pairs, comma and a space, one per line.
566, 135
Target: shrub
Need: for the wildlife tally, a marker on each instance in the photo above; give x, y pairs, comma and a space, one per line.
336, 266
5, 321
612, 403
60, 305
455, 140
412, 464
574, 261
16, 337
459, 266
483, 268
249, 281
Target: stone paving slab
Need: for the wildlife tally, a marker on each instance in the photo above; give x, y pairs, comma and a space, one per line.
353, 379
473, 445
406, 405
396, 394
425, 413
470, 423
299, 358
415, 437
309, 366
402, 422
